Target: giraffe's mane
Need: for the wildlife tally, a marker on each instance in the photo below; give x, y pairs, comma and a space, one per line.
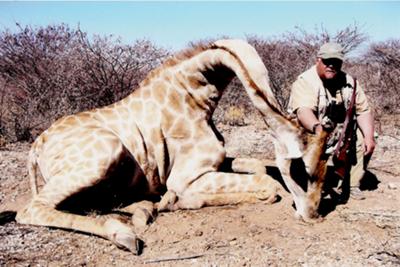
176, 59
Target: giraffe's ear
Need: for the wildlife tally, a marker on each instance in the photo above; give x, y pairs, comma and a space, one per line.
292, 144
287, 150
294, 154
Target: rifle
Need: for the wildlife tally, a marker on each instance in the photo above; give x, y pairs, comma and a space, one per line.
343, 152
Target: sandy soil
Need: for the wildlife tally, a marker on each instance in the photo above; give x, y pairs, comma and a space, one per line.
358, 233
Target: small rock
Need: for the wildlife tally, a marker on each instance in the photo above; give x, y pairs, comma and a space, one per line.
198, 233
392, 186
233, 242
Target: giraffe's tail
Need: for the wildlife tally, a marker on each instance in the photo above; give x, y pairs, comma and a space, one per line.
32, 165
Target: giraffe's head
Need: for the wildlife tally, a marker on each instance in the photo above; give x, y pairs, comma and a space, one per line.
304, 176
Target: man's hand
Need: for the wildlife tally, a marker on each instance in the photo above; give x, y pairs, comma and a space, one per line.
307, 119
318, 128
369, 146
366, 123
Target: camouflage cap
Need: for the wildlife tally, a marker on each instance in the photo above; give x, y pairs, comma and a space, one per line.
331, 50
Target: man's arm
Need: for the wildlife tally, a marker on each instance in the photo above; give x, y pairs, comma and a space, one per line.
366, 123
308, 119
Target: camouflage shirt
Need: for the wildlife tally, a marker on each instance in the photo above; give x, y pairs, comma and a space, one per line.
327, 104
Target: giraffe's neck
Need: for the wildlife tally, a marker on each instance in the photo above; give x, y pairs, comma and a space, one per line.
191, 89
205, 75
245, 62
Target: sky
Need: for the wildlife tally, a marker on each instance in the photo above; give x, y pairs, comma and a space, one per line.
172, 24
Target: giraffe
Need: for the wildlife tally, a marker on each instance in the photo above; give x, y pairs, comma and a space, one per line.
163, 139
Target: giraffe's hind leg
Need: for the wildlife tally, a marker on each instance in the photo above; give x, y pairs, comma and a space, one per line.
110, 227
43, 208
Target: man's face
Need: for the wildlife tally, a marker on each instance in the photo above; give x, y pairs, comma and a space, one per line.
328, 68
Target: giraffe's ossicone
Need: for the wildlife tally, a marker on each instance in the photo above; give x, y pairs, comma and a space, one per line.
158, 141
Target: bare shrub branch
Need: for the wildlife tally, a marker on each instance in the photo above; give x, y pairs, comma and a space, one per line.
53, 71
379, 68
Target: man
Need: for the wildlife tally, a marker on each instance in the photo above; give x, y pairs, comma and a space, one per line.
321, 95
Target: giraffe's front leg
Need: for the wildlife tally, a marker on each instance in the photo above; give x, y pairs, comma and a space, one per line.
143, 212
249, 165
168, 202
219, 188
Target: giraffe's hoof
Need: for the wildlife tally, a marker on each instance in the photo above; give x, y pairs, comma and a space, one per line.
122, 235
142, 217
272, 199
167, 202
128, 241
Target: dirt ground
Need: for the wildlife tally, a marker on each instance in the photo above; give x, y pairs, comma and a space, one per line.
358, 233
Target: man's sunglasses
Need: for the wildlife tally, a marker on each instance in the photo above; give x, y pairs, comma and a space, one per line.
334, 62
